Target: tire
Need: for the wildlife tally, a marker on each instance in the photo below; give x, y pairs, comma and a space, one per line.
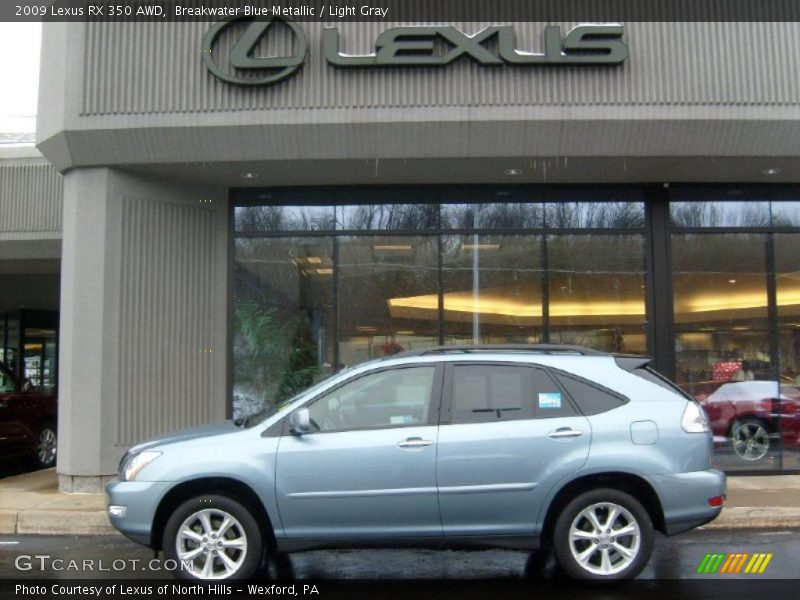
588, 553
46, 447
192, 534
750, 439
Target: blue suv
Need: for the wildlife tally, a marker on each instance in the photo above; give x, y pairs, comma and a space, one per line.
563, 447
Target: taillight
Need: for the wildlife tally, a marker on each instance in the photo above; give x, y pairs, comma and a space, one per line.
716, 501
694, 419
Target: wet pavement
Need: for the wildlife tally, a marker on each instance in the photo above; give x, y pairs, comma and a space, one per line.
114, 557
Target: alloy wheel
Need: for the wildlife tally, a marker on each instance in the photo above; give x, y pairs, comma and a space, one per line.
750, 440
604, 538
213, 543
46, 447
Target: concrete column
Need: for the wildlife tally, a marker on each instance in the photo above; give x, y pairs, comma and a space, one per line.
143, 313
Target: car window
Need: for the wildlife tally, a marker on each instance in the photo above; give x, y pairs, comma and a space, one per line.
490, 393
591, 399
392, 398
550, 400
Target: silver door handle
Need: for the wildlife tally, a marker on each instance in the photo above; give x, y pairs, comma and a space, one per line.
414, 442
564, 433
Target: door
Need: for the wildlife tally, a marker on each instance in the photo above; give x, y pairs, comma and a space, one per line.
508, 434
367, 468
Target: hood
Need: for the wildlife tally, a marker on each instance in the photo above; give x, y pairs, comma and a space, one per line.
183, 435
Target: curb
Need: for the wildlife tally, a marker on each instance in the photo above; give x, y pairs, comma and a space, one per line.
751, 517
55, 522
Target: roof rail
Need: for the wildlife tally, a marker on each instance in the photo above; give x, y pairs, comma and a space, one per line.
536, 348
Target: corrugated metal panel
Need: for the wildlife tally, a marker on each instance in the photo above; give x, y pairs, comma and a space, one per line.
148, 68
167, 282
30, 198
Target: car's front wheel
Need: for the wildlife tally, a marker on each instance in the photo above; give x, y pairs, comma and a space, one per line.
213, 537
603, 535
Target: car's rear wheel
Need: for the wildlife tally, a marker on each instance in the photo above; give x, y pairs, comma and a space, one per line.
213, 537
750, 439
603, 535
46, 446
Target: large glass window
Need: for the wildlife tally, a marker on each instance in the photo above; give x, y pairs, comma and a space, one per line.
388, 299
329, 277
491, 288
787, 274
722, 346
597, 291
283, 318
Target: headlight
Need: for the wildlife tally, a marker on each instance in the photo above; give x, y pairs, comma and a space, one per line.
694, 419
137, 463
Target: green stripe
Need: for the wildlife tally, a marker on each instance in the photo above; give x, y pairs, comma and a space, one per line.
702, 566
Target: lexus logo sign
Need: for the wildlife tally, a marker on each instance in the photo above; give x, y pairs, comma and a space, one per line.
254, 70
597, 44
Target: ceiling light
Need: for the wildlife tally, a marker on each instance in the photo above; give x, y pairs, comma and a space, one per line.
392, 247
313, 260
366, 328
404, 332
480, 246
771, 171
324, 271
249, 175
513, 172
731, 281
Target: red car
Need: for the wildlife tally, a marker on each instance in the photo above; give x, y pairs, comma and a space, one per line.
754, 415
27, 421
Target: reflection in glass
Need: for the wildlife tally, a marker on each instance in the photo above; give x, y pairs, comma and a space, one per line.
787, 273
752, 213
501, 215
492, 287
387, 216
283, 218
597, 291
586, 215
785, 214
388, 299
721, 337
283, 313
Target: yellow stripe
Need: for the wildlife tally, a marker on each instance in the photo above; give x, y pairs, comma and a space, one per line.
742, 560
752, 562
728, 562
765, 563
757, 564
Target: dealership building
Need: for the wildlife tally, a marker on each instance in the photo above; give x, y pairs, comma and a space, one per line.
223, 213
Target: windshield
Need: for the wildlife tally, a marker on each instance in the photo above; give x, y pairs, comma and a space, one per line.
273, 409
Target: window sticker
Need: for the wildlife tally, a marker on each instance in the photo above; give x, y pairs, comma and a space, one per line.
550, 400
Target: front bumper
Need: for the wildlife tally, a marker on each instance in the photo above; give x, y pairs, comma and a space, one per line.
140, 500
684, 498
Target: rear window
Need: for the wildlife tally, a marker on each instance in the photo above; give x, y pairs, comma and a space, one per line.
590, 398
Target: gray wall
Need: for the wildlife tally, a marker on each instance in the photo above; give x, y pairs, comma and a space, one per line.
143, 317
140, 94
30, 199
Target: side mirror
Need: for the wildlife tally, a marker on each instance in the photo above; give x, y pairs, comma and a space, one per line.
300, 421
